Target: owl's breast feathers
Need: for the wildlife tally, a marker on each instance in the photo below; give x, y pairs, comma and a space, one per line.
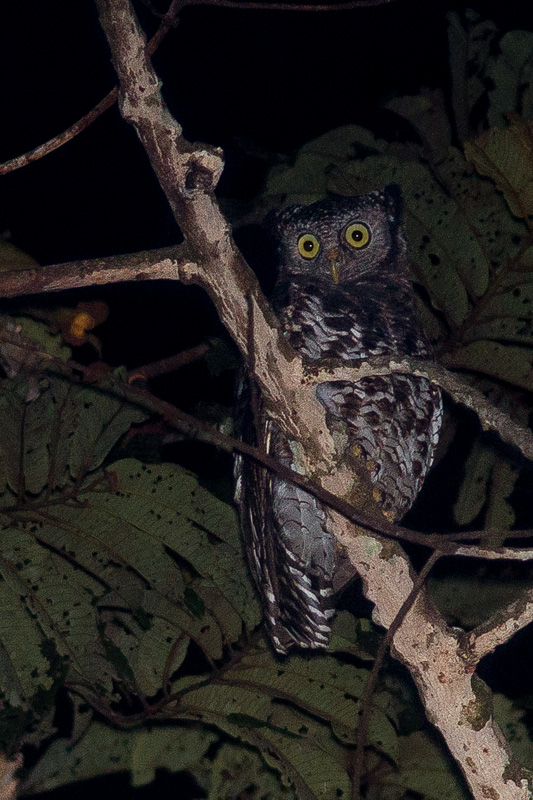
394, 419
351, 322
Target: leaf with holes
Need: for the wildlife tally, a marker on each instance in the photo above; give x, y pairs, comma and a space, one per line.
302, 749
105, 750
504, 155
322, 686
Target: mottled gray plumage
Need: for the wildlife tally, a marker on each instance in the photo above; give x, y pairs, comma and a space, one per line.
344, 293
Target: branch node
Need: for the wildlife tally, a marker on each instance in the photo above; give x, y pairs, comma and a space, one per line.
204, 168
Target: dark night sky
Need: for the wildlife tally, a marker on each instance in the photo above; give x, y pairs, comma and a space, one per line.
270, 79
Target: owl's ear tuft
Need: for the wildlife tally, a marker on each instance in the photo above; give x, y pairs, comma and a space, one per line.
391, 197
276, 221
271, 222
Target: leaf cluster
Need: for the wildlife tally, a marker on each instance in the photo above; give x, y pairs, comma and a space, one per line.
124, 582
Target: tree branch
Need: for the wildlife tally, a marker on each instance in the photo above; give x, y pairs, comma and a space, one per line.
149, 265
497, 553
167, 22
370, 686
165, 365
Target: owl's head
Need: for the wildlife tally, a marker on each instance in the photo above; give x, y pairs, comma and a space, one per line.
342, 238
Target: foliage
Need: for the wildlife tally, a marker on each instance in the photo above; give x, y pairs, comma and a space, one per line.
468, 215
123, 581
113, 574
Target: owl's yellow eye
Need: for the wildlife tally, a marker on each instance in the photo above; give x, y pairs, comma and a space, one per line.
308, 245
358, 234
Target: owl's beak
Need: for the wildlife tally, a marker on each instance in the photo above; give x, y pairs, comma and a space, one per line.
335, 267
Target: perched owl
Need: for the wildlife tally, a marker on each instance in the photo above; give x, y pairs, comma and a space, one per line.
344, 294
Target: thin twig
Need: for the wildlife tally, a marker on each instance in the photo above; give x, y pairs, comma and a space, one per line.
168, 22
62, 138
166, 365
82, 124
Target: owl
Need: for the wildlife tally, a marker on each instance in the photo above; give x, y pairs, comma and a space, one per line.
343, 294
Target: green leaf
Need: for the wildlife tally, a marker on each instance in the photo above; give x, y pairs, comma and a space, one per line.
64, 428
511, 719
321, 686
39, 334
352, 635
475, 486
176, 749
49, 610
470, 48
488, 482
470, 600
428, 115
101, 420
240, 772
506, 156
509, 74
500, 515
307, 179
500, 361
313, 767
311, 763
103, 750
13, 258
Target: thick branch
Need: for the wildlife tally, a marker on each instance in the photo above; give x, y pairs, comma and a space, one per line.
166, 263
431, 651
188, 177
